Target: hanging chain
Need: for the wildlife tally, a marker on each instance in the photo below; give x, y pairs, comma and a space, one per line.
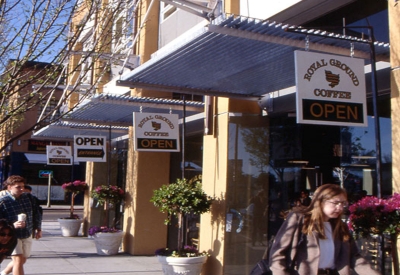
307, 43
352, 49
141, 108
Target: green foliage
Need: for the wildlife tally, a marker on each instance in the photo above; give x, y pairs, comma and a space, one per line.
108, 194
181, 197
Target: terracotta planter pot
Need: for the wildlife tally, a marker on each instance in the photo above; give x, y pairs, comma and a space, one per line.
182, 265
70, 227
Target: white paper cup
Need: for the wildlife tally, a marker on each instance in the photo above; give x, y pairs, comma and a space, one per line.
21, 217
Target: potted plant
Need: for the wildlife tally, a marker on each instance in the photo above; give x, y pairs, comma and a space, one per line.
70, 225
376, 216
107, 237
179, 199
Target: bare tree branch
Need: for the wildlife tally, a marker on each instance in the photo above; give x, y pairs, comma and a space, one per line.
48, 44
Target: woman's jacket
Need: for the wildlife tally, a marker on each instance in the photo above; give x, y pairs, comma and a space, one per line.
291, 244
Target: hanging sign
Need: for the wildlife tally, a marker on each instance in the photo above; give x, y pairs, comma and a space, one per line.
156, 132
90, 148
59, 155
330, 89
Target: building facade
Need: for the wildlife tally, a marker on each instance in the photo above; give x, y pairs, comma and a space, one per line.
238, 58
25, 155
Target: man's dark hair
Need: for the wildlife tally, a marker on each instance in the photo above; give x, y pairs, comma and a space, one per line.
13, 180
28, 187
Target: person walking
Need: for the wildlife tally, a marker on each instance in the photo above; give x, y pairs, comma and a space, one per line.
16, 207
37, 209
8, 239
305, 198
315, 241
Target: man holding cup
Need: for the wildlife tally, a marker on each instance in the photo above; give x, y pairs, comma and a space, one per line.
17, 208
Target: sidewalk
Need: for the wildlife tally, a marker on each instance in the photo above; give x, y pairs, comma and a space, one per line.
55, 255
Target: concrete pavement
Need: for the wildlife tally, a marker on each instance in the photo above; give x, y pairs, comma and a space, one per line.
54, 255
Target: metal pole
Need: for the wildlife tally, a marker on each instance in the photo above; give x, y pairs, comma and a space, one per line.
377, 138
376, 114
109, 156
183, 136
49, 191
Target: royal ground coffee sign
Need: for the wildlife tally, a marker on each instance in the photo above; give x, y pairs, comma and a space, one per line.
156, 132
330, 89
59, 155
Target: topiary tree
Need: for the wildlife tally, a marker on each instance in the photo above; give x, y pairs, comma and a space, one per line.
181, 198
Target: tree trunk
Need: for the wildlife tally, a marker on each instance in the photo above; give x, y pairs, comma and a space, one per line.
106, 210
71, 211
395, 255
180, 233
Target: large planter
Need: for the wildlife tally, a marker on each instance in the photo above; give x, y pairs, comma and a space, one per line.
108, 243
182, 265
70, 227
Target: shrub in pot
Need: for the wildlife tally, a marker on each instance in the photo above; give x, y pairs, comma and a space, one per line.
179, 199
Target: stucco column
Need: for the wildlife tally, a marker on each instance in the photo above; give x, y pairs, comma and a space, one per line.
215, 166
143, 223
215, 180
394, 34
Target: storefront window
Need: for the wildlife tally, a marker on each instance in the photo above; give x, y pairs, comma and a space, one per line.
272, 161
358, 160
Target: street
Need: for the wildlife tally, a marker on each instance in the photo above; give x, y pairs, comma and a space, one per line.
55, 212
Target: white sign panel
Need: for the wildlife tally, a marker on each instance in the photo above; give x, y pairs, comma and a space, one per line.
156, 132
59, 155
90, 148
330, 89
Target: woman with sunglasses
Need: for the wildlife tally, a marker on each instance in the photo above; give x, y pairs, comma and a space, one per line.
8, 239
315, 240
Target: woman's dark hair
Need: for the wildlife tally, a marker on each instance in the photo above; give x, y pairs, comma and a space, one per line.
7, 249
4, 224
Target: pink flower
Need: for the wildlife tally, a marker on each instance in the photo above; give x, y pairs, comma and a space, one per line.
375, 215
75, 186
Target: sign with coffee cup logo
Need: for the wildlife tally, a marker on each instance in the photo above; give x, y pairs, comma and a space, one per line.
59, 155
156, 132
330, 89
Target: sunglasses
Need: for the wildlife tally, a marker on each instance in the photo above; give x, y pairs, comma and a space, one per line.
5, 234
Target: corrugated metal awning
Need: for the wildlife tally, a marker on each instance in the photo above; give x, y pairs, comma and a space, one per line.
66, 130
237, 56
109, 109
107, 114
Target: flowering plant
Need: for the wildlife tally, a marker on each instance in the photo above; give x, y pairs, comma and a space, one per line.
187, 251
375, 215
74, 188
108, 193
101, 229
